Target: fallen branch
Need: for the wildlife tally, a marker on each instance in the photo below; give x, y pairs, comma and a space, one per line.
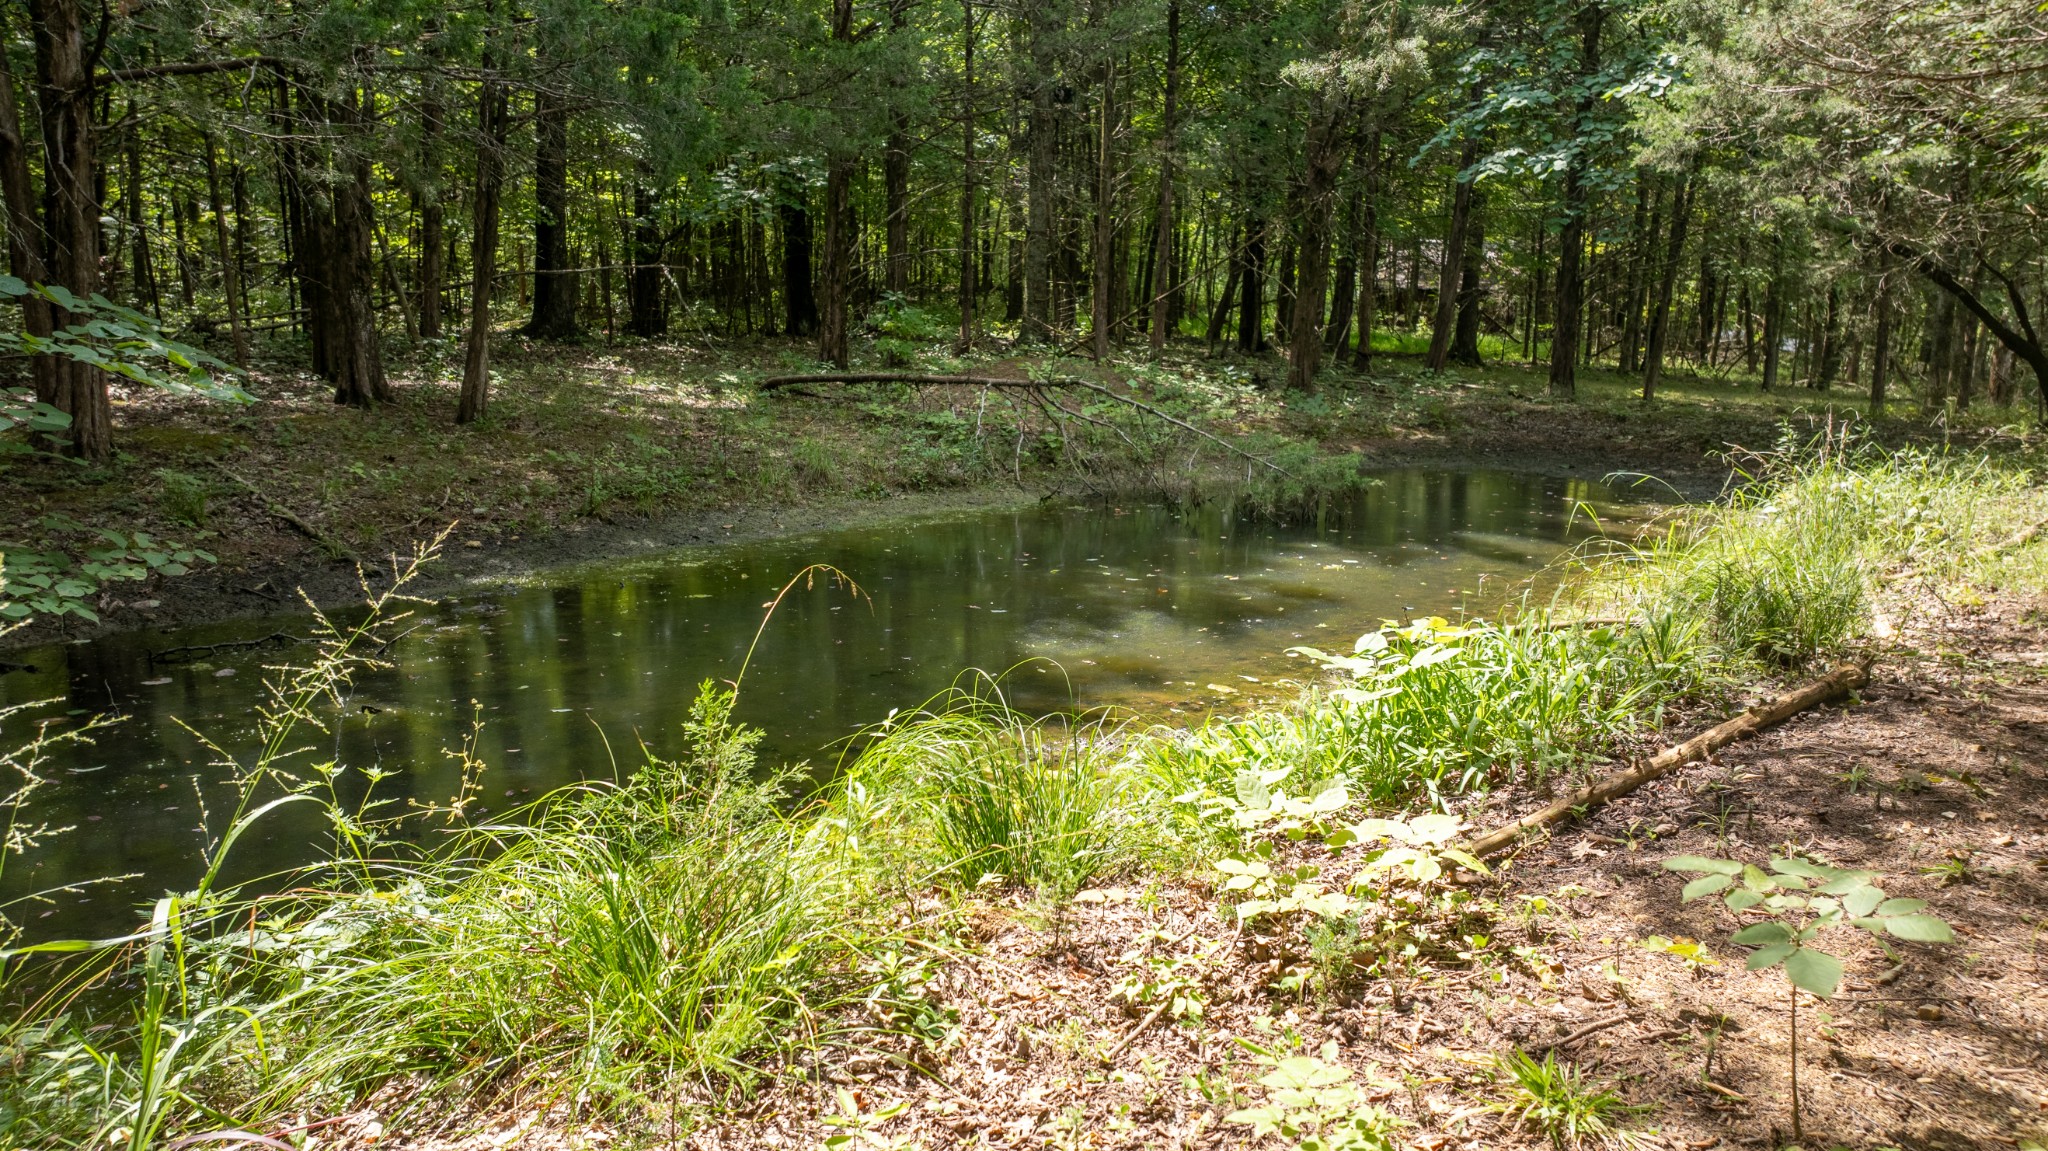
1148, 1021
334, 547
192, 649
1593, 1028
774, 382
1838, 682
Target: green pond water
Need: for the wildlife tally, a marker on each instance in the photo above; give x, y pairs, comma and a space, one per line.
1136, 606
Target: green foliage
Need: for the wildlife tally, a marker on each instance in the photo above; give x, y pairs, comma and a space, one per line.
183, 496
1798, 899
1561, 1102
119, 340
996, 796
54, 583
1312, 1104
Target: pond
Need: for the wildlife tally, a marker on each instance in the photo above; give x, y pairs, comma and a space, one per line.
1136, 606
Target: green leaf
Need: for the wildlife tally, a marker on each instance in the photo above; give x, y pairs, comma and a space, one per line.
1770, 956
1702, 863
1704, 885
1815, 971
1919, 929
1757, 934
1846, 882
1898, 907
1800, 867
1741, 899
1864, 900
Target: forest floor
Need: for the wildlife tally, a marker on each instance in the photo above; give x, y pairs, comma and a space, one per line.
592, 452
1936, 777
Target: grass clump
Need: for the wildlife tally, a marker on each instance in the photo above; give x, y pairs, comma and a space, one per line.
1562, 1102
976, 793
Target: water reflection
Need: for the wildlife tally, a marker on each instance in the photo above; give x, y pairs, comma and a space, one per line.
1137, 605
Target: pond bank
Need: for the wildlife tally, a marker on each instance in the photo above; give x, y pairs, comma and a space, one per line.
664, 461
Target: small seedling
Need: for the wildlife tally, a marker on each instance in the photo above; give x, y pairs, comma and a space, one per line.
1562, 1102
1687, 950
860, 1129
1856, 780
1311, 1102
1801, 899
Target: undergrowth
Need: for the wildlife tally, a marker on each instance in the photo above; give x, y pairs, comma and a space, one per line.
685, 933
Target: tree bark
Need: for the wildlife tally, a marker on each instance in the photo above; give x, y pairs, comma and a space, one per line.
1660, 316
1369, 256
1324, 147
483, 247
554, 284
1441, 326
1881, 352
230, 274
1471, 287
1101, 318
1564, 335
71, 217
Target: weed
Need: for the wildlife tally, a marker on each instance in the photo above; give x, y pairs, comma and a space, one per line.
1561, 1102
1312, 1102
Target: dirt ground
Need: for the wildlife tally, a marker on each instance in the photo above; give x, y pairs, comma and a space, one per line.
1936, 777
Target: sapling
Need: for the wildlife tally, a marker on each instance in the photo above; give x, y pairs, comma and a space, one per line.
1790, 905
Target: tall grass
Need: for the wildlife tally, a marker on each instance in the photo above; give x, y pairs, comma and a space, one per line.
694, 925
979, 793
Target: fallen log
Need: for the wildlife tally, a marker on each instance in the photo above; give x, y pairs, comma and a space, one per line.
1839, 682
334, 547
773, 382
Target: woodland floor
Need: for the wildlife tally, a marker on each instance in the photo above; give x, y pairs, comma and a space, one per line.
592, 452
1948, 1052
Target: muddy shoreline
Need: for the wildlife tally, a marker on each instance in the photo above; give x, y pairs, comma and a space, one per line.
236, 591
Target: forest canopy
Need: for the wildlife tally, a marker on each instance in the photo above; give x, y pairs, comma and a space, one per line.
1820, 192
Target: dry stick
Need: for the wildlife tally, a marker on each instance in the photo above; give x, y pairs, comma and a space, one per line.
774, 382
1838, 682
1593, 1028
1148, 1021
287, 515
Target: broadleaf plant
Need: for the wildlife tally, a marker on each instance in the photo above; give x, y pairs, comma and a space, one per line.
1790, 905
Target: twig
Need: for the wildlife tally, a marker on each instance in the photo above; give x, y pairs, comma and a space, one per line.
333, 546
1727, 1092
207, 648
1144, 1023
1593, 1028
1840, 681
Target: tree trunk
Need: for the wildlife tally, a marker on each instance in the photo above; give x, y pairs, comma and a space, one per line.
1169, 140
230, 274
1325, 155
1101, 318
647, 309
483, 249
1881, 352
1453, 268
1774, 327
968, 280
1660, 316
554, 284
24, 233
1220, 314
1369, 254
799, 300
1041, 161
1251, 309
1830, 341
1471, 285
1564, 337
1642, 238
71, 215
427, 199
